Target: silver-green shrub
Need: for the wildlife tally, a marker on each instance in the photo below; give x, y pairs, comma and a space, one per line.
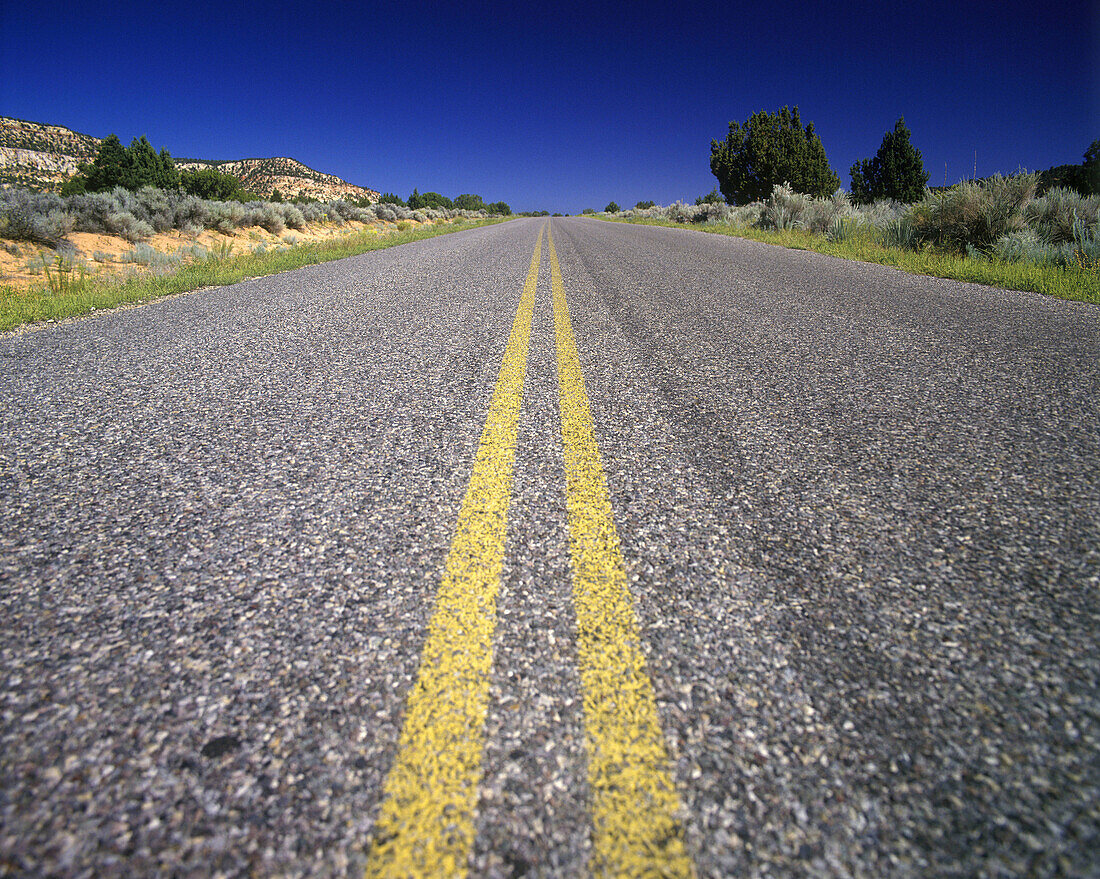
783, 209
713, 212
1028, 245
145, 255
899, 233
292, 217
224, 216
126, 225
746, 214
1054, 215
879, 214
679, 212
312, 212
265, 215
974, 214
33, 216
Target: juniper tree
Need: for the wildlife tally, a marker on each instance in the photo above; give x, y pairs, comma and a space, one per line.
107, 169
133, 167
469, 202
1091, 168
209, 183
771, 148
896, 172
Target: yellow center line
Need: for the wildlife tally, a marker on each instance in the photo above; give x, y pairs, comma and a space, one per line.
426, 825
636, 831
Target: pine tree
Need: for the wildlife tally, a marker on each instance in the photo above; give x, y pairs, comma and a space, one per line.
896, 171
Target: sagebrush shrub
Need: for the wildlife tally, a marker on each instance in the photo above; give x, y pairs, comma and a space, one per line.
1054, 215
784, 208
713, 212
842, 229
679, 212
342, 211
128, 226
33, 216
224, 216
311, 212
819, 213
268, 217
145, 255
1028, 245
880, 213
746, 214
974, 214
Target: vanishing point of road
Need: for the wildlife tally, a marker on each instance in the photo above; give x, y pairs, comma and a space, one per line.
554, 548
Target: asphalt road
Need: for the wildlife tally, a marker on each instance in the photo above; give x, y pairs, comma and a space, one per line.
859, 518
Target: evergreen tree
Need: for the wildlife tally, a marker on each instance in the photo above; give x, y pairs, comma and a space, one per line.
469, 202
1091, 182
429, 200
771, 148
209, 183
145, 168
862, 172
896, 171
108, 168
132, 167
168, 177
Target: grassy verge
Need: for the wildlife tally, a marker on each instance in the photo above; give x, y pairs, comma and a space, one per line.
1080, 283
65, 293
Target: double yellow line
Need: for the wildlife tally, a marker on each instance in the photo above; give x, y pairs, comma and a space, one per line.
426, 826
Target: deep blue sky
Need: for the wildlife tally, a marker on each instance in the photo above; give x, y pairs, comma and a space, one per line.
558, 106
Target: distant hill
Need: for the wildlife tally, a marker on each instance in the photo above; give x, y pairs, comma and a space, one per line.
42, 157
289, 176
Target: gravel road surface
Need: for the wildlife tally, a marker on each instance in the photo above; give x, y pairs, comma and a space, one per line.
859, 514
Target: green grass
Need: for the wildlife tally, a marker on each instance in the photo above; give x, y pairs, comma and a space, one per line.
66, 292
1080, 283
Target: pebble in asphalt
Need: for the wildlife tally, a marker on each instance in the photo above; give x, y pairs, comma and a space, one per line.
859, 512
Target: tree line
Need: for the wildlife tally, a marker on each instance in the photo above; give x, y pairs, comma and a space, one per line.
140, 165
774, 148
465, 202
